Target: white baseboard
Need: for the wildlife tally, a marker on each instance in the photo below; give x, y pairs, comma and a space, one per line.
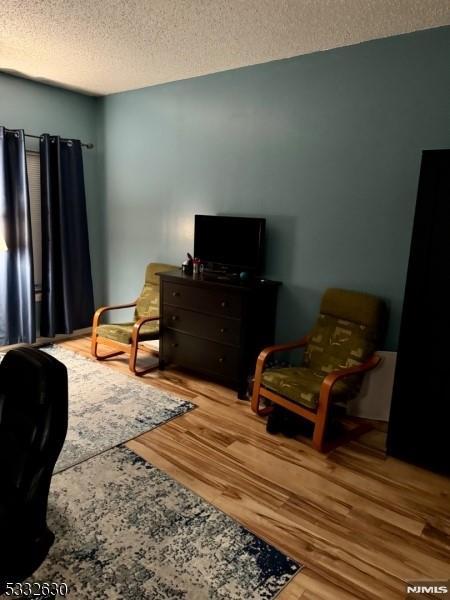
374, 399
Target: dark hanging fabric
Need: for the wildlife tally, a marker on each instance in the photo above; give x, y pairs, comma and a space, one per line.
67, 296
17, 304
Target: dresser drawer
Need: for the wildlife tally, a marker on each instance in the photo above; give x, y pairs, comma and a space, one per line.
200, 355
216, 302
218, 329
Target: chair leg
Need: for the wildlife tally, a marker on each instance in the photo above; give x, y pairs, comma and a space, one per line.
94, 350
256, 398
133, 359
321, 419
319, 434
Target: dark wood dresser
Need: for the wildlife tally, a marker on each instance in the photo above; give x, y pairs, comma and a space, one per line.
216, 328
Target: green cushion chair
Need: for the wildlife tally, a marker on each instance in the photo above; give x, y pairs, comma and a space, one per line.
337, 353
125, 337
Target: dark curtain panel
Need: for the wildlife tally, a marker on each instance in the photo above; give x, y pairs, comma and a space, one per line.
67, 297
17, 306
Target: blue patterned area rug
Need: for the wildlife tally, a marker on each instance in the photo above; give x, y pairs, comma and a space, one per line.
126, 530
107, 408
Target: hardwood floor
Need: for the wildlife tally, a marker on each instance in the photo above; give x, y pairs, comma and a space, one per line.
361, 523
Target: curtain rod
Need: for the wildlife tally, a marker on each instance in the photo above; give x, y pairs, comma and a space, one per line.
38, 137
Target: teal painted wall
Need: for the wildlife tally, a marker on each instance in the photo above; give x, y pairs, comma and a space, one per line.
326, 146
39, 108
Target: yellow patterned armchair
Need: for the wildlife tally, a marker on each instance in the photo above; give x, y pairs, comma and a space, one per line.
125, 337
338, 351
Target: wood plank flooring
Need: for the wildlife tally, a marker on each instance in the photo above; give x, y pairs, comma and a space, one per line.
361, 523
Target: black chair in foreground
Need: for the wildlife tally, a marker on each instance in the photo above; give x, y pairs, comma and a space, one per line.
33, 427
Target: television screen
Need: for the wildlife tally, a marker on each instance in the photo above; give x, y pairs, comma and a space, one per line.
232, 242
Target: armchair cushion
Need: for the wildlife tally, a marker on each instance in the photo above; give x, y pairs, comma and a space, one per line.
147, 304
336, 344
345, 335
302, 385
121, 332
356, 307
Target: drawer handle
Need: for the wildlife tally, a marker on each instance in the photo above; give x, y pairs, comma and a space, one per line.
221, 359
174, 345
174, 318
224, 304
223, 330
175, 294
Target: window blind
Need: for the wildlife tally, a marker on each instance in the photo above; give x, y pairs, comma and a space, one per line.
34, 187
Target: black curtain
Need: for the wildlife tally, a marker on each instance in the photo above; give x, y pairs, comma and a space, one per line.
17, 305
67, 296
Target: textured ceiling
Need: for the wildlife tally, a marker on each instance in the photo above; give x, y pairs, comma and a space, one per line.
106, 46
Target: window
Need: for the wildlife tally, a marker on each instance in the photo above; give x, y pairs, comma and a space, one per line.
34, 187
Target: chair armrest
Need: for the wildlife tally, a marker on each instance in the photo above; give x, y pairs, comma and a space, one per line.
331, 378
137, 326
266, 352
143, 320
325, 394
334, 376
261, 361
99, 312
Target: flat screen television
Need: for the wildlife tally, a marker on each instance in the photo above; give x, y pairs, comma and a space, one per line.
230, 243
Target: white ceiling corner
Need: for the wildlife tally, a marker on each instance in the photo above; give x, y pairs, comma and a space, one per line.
106, 46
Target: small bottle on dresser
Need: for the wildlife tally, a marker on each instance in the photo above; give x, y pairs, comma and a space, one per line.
196, 267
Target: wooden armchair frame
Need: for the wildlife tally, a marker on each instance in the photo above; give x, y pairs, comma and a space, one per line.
319, 416
131, 349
